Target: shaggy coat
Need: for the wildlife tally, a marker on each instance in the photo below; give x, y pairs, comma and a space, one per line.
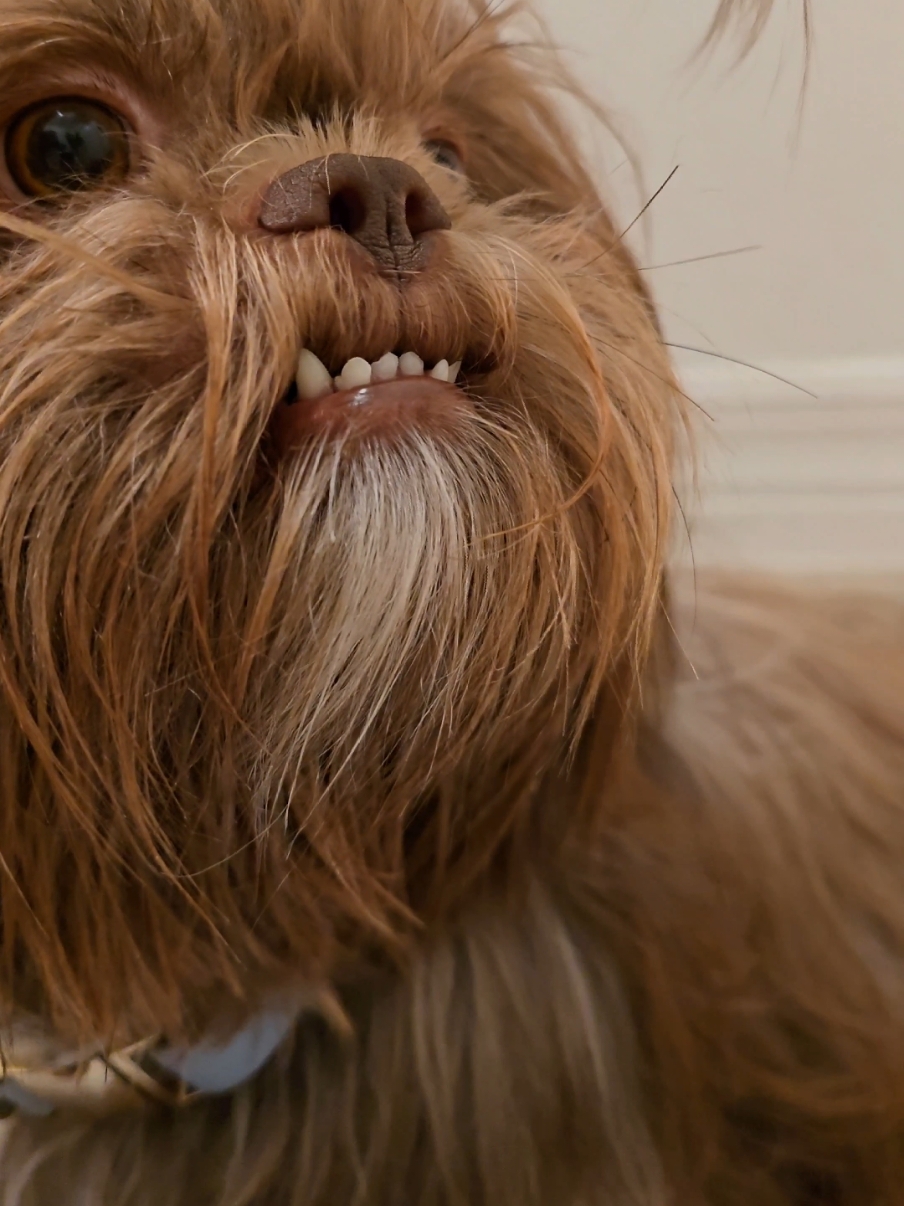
593, 881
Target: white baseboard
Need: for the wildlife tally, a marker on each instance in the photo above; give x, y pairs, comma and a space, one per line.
806, 482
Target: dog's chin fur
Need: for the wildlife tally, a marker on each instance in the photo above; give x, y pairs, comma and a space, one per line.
404, 715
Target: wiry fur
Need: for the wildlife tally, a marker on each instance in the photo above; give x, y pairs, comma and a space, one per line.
228, 737
406, 717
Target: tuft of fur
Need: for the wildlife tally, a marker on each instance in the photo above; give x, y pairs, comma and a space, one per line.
605, 885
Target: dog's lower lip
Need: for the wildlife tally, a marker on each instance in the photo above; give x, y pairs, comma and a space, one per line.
377, 409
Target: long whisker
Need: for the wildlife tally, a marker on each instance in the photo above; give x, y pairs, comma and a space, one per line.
700, 259
620, 238
756, 368
668, 180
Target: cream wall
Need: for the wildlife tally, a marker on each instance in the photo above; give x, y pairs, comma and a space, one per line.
790, 481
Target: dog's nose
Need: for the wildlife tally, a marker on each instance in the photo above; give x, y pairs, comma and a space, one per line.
383, 204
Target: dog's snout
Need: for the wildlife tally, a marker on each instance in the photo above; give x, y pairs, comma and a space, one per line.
383, 204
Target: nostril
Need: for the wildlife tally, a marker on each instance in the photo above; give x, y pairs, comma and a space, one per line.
414, 213
348, 211
423, 212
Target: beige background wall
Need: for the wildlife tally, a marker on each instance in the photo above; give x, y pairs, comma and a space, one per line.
791, 481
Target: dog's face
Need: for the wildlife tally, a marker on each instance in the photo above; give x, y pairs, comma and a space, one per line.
280, 659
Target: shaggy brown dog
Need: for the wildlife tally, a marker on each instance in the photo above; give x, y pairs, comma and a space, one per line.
366, 698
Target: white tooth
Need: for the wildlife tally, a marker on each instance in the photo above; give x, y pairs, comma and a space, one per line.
387, 369
411, 365
441, 372
312, 379
454, 370
357, 373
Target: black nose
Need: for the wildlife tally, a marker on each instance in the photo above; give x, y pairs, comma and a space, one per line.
383, 204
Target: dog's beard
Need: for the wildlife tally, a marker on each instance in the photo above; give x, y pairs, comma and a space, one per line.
269, 697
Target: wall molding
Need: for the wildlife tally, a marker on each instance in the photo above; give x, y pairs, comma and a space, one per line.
807, 479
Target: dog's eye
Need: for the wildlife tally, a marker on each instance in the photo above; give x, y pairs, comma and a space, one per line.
66, 144
446, 154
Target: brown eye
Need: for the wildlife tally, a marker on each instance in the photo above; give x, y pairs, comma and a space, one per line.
66, 144
447, 155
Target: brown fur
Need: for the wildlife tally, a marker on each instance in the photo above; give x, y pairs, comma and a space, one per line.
407, 718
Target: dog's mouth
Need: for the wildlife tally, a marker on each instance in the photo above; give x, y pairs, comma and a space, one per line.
314, 381
396, 392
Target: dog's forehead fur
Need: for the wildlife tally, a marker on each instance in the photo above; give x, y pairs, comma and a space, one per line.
242, 61
213, 76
